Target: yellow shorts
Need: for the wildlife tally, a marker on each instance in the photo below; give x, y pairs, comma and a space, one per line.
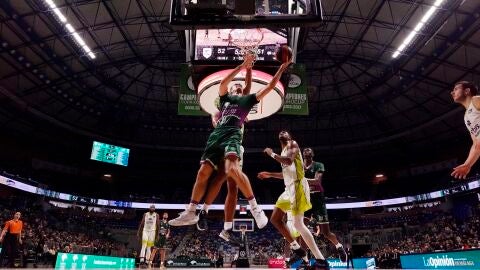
295, 198
148, 237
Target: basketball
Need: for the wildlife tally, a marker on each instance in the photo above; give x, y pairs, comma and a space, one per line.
283, 53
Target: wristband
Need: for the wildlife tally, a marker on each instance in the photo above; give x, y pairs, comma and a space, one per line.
273, 155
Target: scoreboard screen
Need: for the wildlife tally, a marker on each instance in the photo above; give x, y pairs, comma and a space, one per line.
110, 153
215, 45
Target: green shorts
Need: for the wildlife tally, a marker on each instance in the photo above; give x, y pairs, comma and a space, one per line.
222, 142
161, 241
319, 207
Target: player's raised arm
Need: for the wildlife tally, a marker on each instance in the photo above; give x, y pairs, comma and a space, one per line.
292, 151
262, 93
248, 60
248, 80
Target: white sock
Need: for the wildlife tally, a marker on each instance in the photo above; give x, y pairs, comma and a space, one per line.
192, 207
253, 203
205, 207
339, 245
227, 225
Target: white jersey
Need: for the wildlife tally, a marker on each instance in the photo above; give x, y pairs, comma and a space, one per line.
150, 223
294, 171
472, 120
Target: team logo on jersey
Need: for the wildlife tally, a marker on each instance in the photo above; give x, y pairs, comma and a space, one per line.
469, 123
207, 52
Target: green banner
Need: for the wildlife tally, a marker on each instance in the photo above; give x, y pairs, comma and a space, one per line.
84, 261
187, 95
296, 97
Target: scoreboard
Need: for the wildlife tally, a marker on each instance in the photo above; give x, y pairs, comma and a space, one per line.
216, 45
110, 153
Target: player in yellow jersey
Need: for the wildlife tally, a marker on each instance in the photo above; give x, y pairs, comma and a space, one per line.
295, 198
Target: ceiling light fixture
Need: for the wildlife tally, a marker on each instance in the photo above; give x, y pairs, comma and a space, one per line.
425, 19
59, 15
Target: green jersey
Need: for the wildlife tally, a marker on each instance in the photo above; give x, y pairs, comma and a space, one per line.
163, 227
310, 172
235, 109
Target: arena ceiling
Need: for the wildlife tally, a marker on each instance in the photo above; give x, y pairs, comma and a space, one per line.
366, 108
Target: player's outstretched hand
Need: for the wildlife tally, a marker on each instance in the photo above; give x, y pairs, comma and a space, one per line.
248, 59
460, 172
263, 175
268, 151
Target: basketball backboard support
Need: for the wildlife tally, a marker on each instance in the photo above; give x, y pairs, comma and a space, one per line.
247, 224
208, 14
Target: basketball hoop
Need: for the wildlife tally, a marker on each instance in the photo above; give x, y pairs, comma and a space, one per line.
246, 39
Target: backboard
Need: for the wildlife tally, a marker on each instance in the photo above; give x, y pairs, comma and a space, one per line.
214, 14
243, 223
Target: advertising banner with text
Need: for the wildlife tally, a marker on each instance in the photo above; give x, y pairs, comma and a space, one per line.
187, 94
464, 259
296, 96
85, 261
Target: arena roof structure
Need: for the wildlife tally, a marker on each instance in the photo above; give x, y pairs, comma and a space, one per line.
368, 111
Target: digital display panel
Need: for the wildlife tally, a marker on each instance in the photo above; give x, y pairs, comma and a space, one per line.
86, 261
110, 153
217, 45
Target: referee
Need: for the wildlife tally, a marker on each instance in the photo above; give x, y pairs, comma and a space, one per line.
10, 238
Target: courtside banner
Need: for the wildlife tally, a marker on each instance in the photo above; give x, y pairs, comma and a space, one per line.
187, 95
84, 261
296, 97
465, 259
188, 263
358, 263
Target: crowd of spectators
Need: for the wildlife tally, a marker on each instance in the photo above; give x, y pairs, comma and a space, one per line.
442, 233
391, 234
49, 230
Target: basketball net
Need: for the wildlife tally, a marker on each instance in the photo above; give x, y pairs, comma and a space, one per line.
246, 40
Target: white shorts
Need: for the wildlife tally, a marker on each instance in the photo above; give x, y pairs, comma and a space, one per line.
148, 238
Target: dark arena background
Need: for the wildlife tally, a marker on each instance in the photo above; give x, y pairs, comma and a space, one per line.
105, 110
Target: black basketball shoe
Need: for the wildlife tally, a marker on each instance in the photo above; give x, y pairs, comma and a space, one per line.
320, 265
342, 254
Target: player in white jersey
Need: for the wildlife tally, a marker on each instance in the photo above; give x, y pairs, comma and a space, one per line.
148, 231
295, 198
465, 93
